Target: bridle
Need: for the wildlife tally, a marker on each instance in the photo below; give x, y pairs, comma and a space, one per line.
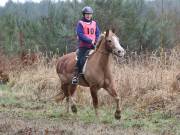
107, 47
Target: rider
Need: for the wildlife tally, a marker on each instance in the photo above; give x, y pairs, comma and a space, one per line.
88, 33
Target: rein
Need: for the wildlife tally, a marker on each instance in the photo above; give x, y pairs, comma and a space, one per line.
107, 49
106, 52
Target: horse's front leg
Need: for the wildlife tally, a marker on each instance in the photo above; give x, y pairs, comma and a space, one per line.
69, 99
110, 88
93, 91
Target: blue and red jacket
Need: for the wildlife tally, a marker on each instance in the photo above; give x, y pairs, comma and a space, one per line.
87, 30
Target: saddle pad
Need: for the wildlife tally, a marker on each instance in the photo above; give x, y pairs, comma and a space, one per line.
84, 67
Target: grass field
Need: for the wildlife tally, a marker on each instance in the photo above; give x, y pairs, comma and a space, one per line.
150, 103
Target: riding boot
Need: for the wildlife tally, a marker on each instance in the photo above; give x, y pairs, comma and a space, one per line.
75, 78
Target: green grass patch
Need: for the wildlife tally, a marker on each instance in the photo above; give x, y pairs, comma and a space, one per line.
158, 121
4, 87
7, 98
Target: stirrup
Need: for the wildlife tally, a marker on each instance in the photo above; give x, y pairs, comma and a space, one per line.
75, 80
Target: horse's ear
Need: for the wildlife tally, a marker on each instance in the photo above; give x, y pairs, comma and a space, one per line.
107, 32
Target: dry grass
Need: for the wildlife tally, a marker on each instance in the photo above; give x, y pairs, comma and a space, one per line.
38, 81
144, 81
148, 83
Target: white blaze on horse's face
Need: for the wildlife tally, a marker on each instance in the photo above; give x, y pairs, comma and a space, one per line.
117, 49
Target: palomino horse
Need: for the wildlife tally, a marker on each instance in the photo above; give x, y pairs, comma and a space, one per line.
97, 73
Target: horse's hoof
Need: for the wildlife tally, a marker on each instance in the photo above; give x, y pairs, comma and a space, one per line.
117, 115
74, 108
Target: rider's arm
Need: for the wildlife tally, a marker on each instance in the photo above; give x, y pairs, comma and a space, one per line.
80, 34
97, 32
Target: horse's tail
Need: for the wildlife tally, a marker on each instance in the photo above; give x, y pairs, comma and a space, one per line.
58, 64
57, 98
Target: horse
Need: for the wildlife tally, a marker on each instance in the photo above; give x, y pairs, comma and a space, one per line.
97, 72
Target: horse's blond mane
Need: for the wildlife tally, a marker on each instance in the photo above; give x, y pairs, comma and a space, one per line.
101, 37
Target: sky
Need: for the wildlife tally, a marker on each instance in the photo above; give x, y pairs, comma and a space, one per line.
3, 2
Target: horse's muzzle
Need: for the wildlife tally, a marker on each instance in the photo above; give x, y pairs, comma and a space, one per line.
119, 53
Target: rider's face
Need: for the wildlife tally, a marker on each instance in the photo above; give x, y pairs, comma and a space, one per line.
88, 16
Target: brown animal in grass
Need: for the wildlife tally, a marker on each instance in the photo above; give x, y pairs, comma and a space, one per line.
4, 78
176, 84
29, 58
96, 75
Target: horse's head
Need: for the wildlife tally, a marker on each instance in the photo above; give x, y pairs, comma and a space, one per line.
112, 43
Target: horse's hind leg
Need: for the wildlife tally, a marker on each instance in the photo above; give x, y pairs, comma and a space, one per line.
69, 90
111, 90
72, 89
95, 99
64, 87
